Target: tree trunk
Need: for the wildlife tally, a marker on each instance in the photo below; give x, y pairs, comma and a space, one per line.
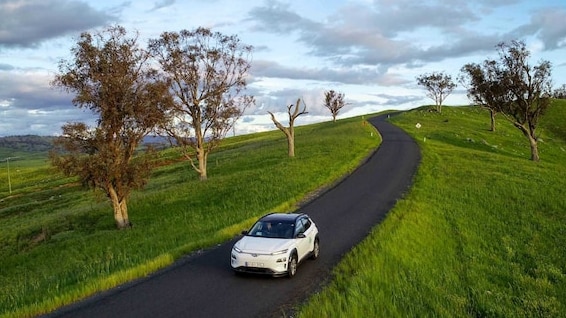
201, 157
492, 115
534, 149
290, 132
532, 141
120, 207
291, 145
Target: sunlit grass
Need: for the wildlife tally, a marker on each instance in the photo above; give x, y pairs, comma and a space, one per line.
59, 244
481, 233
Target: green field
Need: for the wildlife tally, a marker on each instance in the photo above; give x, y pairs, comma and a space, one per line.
58, 243
482, 232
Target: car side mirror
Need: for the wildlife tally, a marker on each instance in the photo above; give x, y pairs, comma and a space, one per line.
301, 235
244, 232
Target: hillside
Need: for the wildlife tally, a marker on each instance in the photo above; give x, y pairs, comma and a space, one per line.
553, 123
28, 146
63, 240
481, 233
33, 145
27, 143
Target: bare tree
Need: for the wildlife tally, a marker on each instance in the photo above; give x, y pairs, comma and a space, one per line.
521, 92
207, 74
334, 102
111, 76
294, 112
438, 85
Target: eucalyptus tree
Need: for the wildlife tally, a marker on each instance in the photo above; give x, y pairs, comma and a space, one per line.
484, 87
438, 85
207, 75
111, 76
521, 91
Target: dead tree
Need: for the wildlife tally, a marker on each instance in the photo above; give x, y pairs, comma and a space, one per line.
294, 112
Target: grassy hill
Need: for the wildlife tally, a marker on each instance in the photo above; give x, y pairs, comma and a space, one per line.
25, 145
58, 243
481, 233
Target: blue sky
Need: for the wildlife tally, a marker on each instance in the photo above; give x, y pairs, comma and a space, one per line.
369, 50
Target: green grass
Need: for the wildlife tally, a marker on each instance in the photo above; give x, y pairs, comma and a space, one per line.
480, 234
59, 244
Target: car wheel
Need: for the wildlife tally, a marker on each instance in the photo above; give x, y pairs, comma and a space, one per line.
292, 266
315, 250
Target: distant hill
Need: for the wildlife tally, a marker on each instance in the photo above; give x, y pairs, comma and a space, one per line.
157, 142
27, 143
43, 144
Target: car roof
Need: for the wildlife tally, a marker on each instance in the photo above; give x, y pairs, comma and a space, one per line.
281, 217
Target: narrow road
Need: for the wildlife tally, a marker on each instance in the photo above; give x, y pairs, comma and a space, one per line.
203, 285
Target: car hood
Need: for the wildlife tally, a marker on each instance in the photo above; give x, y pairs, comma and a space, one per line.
262, 245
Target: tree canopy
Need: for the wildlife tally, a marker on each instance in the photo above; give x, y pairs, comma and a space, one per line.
484, 87
207, 75
439, 85
513, 87
112, 76
334, 101
560, 92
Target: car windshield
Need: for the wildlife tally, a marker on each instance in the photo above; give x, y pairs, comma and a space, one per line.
272, 229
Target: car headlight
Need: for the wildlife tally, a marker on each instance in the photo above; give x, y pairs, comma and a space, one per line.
280, 252
237, 250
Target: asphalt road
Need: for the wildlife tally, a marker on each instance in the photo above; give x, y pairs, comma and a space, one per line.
203, 284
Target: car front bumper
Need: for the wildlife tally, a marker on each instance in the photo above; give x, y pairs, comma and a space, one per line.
275, 265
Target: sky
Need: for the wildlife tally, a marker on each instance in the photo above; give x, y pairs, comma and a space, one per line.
371, 51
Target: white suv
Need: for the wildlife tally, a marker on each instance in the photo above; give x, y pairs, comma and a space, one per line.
276, 244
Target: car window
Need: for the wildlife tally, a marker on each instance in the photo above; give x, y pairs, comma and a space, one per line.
307, 223
256, 229
272, 229
300, 228
287, 230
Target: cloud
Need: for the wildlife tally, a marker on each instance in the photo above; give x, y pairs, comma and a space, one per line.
277, 17
162, 4
30, 106
248, 119
392, 18
396, 100
548, 26
360, 35
30, 90
27, 23
6, 67
342, 75
399, 33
